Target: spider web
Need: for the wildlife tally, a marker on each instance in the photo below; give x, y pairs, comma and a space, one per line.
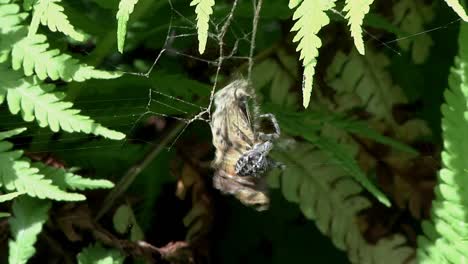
160, 104
184, 112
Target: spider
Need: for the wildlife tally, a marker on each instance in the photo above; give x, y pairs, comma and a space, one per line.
242, 149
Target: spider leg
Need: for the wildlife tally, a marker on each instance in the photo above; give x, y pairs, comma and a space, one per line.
271, 136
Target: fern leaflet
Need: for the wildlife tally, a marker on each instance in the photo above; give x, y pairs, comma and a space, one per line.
9, 196
29, 216
33, 55
17, 175
11, 133
125, 9
444, 239
203, 10
67, 180
458, 8
356, 10
330, 197
37, 100
50, 13
3, 214
97, 254
12, 29
350, 165
311, 17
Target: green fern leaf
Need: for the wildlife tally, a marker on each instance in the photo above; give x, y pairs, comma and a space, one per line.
10, 17
17, 175
11, 133
125, 9
356, 10
96, 254
311, 17
32, 54
67, 180
36, 100
29, 216
11, 29
412, 17
349, 164
3, 214
203, 10
366, 78
329, 196
444, 239
458, 8
9, 196
362, 128
28, 4
50, 13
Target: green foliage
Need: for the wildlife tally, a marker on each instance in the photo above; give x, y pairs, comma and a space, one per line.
356, 10
278, 75
458, 8
310, 17
123, 15
18, 175
9, 196
328, 195
29, 216
36, 100
412, 16
67, 180
124, 220
96, 254
41, 76
51, 14
2, 214
203, 9
33, 55
344, 157
12, 29
444, 239
363, 81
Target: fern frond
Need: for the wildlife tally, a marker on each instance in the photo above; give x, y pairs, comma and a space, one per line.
356, 10
366, 78
310, 17
412, 16
32, 54
28, 4
329, 196
97, 254
67, 180
349, 164
458, 8
203, 9
362, 128
9, 196
50, 13
29, 216
11, 133
16, 174
125, 9
36, 100
11, 29
10, 17
445, 235
3, 214
279, 74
